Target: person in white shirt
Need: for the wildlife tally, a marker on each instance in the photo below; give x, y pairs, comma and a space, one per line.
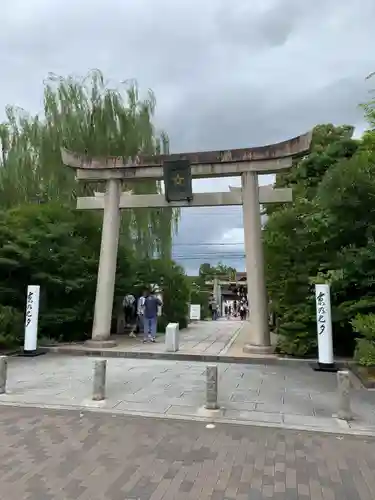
141, 312
128, 305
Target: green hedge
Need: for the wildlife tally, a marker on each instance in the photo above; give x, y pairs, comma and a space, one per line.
58, 248
11, 327
364, 325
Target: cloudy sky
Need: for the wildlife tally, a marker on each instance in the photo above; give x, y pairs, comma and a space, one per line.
225, 74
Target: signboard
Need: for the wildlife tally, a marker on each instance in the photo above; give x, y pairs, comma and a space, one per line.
177, 180
324, 324
195, 311
31, 318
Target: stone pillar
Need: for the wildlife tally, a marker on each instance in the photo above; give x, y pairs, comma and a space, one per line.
211, 387
259, 338
220, 300
216, 291
172, 334
3, 374
100, 369
343, 388
107, 265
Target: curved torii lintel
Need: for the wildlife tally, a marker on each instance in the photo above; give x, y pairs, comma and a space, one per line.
264, 154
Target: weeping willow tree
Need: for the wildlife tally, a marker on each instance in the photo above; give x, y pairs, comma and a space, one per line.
84, 115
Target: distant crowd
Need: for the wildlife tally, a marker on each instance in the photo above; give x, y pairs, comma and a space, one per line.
232, 309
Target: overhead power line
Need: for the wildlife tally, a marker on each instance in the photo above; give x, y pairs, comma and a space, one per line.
210, 256
207, 244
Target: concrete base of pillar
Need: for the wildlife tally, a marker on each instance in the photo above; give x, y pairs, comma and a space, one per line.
32, 354
100, 344
324, 367
258, 349
204, 412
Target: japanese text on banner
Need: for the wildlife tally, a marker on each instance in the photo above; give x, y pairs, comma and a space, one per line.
322, 311
29, 308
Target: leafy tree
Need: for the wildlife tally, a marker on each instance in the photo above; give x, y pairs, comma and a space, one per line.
200, 294
58, 248
208, 272
364, 325
11, 326
347, 195
166, 276
329, 145
84, 116
326, 234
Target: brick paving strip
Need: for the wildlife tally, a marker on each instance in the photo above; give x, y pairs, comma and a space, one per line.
63, 455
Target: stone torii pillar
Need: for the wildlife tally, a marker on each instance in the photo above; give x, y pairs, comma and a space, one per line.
256, 286
107, 266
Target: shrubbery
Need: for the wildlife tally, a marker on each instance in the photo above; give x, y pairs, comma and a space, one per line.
364, 352
11, 327
200, 295
174, 286
326, 235
57, 248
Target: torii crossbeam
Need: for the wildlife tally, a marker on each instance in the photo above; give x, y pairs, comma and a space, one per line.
128, 200
247, 163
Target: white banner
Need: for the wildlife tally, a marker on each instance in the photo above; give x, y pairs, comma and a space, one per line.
31, 317
324, 324
195, 311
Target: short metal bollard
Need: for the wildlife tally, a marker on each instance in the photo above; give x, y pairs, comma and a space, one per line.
211, 388
343, 387
3, 374
100, 368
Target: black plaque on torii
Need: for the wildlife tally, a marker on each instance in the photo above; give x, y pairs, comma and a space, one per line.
177, 180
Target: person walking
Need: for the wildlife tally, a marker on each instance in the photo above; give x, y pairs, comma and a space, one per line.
214, 310
150, 316
128, 305
227, 310
242, 312
140, 312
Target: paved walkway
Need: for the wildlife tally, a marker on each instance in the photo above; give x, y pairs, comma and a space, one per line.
292, 396
47, 455
235, 349
202, 338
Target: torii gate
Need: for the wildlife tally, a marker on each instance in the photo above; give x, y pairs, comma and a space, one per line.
247, 163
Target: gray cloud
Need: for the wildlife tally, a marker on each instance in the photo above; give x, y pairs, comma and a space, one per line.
224, 74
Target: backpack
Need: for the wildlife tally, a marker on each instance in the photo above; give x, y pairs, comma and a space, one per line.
128, 300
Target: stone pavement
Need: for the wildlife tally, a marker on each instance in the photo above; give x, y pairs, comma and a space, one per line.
242, 337
200, 338
48, 455
291, 396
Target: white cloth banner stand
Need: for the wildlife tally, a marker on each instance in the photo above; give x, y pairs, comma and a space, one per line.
324, 328
31, 320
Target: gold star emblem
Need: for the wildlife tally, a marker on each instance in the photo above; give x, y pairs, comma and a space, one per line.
178, 180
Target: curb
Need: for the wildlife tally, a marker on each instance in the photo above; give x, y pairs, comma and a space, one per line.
178, 356
343, 430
